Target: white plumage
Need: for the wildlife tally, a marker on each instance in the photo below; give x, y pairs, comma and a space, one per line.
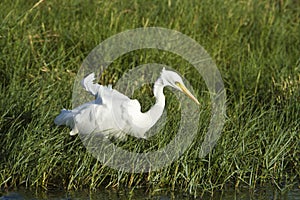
114, 114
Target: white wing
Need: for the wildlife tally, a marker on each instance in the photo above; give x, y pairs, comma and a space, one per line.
111, 110
89, 85
103, 94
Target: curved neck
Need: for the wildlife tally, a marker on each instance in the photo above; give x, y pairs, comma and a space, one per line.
158, 91
157, 109
144, 121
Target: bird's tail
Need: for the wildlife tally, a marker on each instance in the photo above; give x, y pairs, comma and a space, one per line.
66, 118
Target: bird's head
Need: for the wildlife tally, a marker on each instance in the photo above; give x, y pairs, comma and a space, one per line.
172, 79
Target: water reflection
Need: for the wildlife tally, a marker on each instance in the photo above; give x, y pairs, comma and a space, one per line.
112, 194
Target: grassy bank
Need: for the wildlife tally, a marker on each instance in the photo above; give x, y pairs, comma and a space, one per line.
255, 45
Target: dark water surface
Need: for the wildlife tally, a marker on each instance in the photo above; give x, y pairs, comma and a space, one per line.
111, 194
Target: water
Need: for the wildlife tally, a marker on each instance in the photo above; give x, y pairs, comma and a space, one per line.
141, 194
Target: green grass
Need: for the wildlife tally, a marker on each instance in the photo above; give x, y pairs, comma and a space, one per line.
254, 43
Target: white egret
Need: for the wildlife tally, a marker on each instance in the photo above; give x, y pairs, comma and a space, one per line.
114, 114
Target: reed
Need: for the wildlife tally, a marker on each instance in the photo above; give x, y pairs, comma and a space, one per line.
255, 45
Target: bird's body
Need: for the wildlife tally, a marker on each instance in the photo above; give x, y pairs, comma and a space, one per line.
114, 114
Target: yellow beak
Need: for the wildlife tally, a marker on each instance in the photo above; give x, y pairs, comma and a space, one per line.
187, 92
